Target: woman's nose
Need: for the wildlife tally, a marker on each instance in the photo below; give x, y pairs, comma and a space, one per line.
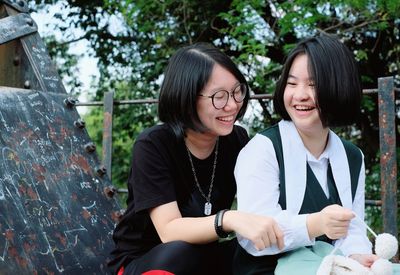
231, 104
302, 92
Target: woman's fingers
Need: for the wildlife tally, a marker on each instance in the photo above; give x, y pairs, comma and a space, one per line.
334, 220
272, 236
336, 229
336, 232
262, 231
262, 243
267, 241
279, 236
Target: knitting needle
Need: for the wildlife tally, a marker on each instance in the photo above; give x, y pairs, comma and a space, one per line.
366, 225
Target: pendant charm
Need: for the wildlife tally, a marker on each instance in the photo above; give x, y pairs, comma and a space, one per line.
207, 208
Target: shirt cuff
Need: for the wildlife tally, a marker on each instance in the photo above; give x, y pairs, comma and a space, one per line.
297, 233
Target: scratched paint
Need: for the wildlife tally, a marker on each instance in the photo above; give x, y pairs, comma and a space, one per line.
55, 217
387, 136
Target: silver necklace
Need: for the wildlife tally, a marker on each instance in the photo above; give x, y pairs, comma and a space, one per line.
207, 205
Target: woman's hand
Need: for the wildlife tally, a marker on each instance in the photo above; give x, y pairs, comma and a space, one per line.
365, 259
333, 221
262, 231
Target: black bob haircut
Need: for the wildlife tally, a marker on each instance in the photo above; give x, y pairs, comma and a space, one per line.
334, 71
187, 73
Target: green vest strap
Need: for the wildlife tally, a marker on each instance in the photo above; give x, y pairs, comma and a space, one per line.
354, 158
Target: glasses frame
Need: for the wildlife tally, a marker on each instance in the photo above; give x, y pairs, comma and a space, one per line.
230, 94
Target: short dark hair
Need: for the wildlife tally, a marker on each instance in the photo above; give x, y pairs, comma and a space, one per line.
187, 73
337, 82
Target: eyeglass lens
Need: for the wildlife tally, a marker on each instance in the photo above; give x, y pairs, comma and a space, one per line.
220, 98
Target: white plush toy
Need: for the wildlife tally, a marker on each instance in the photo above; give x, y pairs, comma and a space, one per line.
385, 247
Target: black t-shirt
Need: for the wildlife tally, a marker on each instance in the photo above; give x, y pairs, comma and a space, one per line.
161, 173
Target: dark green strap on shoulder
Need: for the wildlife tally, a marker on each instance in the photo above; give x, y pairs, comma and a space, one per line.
274, 135
354, 158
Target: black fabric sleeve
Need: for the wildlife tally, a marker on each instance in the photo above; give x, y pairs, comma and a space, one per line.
150, 177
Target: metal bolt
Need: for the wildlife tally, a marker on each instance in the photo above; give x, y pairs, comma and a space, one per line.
101, 171
110, 191
29, 21
27, 84
117, 215
90, 147
16, 61
79, 123
70, 102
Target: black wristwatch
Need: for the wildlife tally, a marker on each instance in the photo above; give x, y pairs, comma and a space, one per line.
218, 224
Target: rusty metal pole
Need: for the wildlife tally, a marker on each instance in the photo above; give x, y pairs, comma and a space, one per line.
107, 131
388, 163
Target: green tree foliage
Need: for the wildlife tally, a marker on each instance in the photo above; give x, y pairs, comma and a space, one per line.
256, 33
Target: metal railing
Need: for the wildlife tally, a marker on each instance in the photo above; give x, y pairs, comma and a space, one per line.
387, 141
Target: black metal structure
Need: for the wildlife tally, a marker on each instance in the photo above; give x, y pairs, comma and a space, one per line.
57, 210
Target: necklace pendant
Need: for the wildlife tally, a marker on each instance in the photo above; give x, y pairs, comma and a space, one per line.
207, 208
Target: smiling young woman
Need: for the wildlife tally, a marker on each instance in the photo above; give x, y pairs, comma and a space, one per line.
181, 184
299, 171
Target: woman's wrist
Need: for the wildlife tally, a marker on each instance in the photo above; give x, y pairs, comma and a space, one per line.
313, 225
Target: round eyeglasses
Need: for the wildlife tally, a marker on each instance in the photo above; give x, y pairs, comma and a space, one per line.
220, 98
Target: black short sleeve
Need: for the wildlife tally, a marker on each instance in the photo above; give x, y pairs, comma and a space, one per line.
150, 177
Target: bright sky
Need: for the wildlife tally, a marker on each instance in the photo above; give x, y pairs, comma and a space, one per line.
87, 65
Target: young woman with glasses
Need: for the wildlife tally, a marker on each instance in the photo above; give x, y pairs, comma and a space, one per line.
181, 184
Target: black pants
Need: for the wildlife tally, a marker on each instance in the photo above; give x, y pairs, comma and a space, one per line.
179, 257
247, 264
